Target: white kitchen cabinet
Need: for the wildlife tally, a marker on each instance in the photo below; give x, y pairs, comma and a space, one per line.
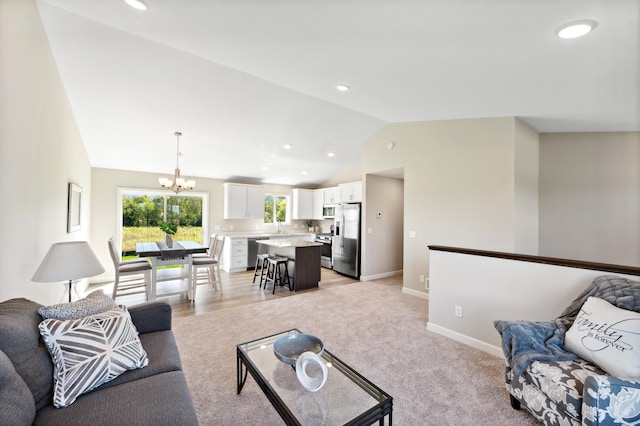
234, 254
302, 204
318, 203
350, 192
331, 195
255, 202
243, 201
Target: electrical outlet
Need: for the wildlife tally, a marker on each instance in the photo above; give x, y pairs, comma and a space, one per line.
216, 227
412, 234
458, 311
421, 278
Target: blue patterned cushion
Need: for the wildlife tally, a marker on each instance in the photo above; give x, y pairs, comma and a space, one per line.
552, 391
94, 303
90, 351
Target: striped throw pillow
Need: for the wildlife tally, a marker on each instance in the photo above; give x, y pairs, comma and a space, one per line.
90, 351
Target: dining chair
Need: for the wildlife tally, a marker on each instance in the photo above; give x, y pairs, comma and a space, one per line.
211, 267
138, 272
210, 247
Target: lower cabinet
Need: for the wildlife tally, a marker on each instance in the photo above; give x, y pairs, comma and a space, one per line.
234, 255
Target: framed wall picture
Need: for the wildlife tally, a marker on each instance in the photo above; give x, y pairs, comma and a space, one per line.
73, 208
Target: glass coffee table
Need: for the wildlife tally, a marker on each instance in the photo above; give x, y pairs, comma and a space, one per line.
347, 398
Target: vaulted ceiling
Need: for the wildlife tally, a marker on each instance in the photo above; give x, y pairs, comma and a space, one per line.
242, 78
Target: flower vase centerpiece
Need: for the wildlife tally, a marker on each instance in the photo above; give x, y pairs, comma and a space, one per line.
169, 230
309, 225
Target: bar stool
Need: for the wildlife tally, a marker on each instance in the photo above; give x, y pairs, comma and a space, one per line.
261, 262
276, 274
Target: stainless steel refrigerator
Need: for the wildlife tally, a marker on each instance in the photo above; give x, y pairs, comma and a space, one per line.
345, 248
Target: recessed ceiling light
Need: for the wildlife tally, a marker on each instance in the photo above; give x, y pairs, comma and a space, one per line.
137, 4
304, 172
287, 146
576, 29
342, 87
331, 154
265, 167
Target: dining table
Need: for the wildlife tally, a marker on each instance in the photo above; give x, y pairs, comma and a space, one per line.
160, 254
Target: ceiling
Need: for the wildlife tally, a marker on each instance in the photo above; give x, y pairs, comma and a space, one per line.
241, 78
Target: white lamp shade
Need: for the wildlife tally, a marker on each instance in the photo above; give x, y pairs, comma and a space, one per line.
68, 261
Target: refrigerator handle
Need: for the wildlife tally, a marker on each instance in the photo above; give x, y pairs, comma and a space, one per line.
341, 237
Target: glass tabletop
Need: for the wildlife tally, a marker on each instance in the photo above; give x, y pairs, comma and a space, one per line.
346, 398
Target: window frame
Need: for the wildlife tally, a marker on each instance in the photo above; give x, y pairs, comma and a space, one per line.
162, 193
277, 195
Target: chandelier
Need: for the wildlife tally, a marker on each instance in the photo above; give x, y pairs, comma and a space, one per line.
178, 184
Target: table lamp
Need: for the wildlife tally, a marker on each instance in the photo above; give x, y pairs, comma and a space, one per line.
70, 261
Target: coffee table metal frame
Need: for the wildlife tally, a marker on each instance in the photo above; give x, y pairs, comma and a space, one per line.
377, 413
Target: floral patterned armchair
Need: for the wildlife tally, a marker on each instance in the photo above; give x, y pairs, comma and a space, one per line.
559, 388
573, 393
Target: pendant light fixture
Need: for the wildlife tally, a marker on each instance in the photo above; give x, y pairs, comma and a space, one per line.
178, 184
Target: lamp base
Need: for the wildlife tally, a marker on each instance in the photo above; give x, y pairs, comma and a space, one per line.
70, 292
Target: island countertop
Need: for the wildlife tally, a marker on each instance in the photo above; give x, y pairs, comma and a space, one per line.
281, 243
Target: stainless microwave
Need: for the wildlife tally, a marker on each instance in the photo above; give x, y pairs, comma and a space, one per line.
329, 211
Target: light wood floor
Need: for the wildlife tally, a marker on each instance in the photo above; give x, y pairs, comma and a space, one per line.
238, 289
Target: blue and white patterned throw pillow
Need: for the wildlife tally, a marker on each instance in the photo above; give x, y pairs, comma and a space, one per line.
90, 351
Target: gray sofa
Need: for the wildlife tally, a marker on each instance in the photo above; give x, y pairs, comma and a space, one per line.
154, 395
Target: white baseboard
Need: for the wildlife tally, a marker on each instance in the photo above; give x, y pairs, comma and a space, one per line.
469, 341
416, 293
378, 276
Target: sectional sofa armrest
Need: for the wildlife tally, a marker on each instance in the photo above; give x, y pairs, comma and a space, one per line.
608, 400
151, 316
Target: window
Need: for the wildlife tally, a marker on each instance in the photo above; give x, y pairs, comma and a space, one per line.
142, 212
275, 208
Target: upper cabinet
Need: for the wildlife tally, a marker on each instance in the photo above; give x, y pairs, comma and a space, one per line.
318, 204
303, 204
331, 195
350, 192
243, 201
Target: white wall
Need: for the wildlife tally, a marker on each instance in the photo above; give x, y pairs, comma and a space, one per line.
40, 153
460, 185
351, 174
382, 252
526, 169
590, 197
491, 289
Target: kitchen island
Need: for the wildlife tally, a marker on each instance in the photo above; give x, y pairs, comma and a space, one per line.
304, 260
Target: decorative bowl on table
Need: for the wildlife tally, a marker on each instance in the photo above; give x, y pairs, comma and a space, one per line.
288, 348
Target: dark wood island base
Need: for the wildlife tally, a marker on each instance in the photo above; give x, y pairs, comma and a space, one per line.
304, 260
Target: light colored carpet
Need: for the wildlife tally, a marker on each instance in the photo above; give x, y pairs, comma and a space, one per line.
373, 327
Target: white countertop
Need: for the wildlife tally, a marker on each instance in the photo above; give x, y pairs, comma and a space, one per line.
265, 234
289, 243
